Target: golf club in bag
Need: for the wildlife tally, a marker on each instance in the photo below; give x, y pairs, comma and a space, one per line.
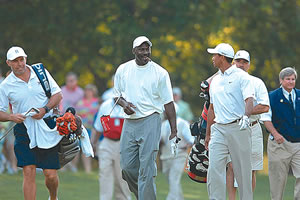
69, 145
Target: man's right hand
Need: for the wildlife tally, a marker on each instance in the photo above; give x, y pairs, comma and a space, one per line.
278, 138
18, 118
128, 108
206, 141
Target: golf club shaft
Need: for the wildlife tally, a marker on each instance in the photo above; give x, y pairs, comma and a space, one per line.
8, 131
115, 105
14, 124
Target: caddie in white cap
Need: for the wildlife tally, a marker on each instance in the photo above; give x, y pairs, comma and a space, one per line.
231, 104
145, 88
261, 105
16, 59
242, 54
15, 52
36, 145
242, 60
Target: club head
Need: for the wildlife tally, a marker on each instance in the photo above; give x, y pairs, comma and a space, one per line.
32, 111
35, 110
178, 139
71, 110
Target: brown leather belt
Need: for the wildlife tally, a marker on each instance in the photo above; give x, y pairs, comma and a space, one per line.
253, 123
233, 121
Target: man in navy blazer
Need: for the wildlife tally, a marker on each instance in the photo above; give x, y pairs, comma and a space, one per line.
283, 123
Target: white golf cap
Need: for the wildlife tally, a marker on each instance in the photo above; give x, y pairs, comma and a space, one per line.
242, 54
140, 40
223, 49
15, 52
177, 91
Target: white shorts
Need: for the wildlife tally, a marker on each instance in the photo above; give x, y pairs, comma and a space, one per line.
257, 147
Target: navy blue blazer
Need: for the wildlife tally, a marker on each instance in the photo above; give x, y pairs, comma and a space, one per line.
285, 118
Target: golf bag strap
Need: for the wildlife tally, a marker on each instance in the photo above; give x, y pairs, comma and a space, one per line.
39, 69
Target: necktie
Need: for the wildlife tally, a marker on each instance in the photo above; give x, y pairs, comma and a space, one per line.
290, 99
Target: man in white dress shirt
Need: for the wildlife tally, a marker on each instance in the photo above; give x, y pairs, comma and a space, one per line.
33, 148
228, 132
145, 88
261, 105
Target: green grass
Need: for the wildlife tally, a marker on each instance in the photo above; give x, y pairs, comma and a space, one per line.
80, 186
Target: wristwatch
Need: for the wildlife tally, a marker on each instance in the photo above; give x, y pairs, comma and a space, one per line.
47, 109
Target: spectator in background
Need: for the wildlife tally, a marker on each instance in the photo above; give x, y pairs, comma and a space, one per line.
173, 166
110, 176
72, 93
3, 160
7, 156
1, 76
109, 93
184, 110
8, 159
86, 108
2, 130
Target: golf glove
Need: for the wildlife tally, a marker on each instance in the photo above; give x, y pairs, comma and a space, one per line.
244, 122
174, 146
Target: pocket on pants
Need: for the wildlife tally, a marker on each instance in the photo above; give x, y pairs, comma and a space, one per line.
154, 161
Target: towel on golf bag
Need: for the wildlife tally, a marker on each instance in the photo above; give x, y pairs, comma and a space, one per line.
86, 143
70, 126
40, 134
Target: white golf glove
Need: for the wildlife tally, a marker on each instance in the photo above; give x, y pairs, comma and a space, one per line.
244, 122
174, 146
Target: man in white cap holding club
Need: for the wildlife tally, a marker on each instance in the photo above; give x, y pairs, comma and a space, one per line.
145, 88
261, 105
228, 131
35, 146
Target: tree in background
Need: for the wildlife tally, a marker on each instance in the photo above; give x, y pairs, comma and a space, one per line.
92, 37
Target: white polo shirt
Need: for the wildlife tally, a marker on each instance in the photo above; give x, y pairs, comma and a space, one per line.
147, 87
23, 96
228, 92
261, 95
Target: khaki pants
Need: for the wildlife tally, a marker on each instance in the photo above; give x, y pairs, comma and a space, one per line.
229, 140
281, 158
110, 176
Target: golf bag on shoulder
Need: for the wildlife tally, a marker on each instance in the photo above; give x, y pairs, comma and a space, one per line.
69, 145
197, 165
